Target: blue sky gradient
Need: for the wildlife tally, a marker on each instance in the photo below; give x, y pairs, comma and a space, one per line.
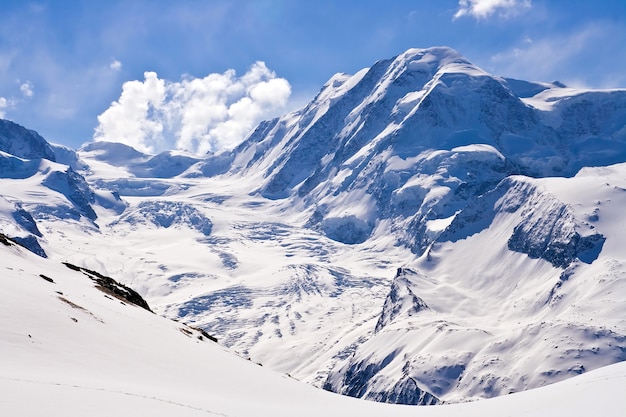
62, 63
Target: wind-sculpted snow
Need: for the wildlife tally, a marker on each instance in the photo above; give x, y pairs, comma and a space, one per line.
167, 214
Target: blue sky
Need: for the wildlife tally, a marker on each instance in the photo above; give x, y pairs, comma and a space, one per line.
64, 62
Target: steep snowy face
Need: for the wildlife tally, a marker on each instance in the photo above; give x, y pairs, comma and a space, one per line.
37, 189
415, 137
23, 143
514, 274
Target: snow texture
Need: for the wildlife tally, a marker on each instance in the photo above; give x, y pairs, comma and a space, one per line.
422, 232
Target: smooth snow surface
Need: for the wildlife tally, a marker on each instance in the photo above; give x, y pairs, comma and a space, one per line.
69, 349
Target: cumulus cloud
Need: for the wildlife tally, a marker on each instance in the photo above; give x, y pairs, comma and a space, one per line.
197, 115
27, 89
482, 9
115, 65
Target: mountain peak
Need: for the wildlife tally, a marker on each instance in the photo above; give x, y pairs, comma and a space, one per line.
434, 59
23, 143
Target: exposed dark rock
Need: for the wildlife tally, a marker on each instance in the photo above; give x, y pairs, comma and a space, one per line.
112, 287
359, 375
406, 391
553, 237
47, 278
401, 300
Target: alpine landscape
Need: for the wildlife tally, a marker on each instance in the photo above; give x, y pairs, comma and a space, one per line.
289, 208
422, 237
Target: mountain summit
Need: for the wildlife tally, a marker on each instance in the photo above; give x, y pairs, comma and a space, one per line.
419, 135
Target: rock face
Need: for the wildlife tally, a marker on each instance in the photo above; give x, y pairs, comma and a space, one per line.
514, 254
361, 379
110, 286
401, 300
547, 229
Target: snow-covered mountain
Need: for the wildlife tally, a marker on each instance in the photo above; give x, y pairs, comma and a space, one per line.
421, 232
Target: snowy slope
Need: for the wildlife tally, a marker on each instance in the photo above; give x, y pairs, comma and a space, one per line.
416, 234
462, 321
81, 351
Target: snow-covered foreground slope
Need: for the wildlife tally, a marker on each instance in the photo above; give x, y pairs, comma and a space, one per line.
71, 349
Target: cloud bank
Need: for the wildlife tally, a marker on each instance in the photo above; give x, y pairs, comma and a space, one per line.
197, 115
482, 9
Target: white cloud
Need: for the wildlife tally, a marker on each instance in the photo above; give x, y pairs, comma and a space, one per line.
196, 114
27, 89
135, 118
3, 105
115, 65
482, 9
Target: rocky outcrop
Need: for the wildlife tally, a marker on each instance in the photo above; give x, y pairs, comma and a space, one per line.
401, 300
110, 286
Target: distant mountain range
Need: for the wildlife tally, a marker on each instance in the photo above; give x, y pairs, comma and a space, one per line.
421, 232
